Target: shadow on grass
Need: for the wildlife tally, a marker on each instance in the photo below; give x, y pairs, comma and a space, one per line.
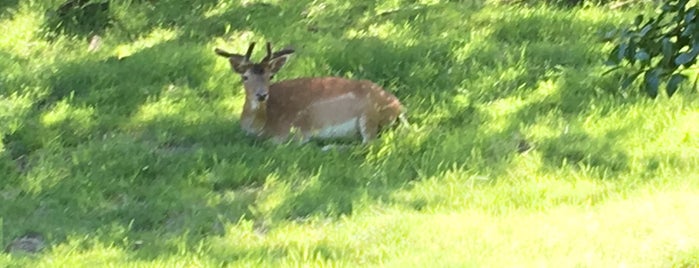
572, 145
7, 5
92, 98
540, 44
132, 18
578, 148
80, 18
200, 21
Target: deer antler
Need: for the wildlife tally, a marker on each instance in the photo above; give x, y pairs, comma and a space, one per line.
271, 56
223, 53
269, 53
249, 52
282, 52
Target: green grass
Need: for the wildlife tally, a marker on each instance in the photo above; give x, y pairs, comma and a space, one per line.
132, 155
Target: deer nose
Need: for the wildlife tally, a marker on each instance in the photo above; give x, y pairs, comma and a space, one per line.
261, 97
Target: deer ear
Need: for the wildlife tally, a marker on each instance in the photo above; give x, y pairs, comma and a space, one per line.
238, 63
277, 63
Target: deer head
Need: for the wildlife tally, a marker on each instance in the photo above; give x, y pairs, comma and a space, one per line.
257, 76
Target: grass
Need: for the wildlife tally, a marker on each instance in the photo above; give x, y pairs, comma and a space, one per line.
132, 155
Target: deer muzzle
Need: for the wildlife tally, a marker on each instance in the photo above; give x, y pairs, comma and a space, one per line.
261, 95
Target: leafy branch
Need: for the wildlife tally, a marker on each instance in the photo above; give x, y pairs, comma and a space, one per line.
659, 48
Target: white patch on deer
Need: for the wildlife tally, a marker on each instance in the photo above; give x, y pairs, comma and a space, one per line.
344, 129
338, 107
254, 104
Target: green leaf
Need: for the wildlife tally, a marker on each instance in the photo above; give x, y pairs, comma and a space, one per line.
645, 30
691, 14
667, 52
652, 82
674, 83
687, 57
667, 48
625, 33
621, 51
631, 52
682, 4
689, 29
613, 58
638, 20
642, 56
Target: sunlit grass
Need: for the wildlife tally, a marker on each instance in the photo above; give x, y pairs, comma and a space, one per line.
645, 230
21, 32
153, 38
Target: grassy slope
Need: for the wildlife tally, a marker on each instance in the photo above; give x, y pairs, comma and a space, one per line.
132, 154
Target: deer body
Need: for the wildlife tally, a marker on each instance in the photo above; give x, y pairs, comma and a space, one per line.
305, 108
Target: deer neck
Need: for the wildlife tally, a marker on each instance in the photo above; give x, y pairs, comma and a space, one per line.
254, 117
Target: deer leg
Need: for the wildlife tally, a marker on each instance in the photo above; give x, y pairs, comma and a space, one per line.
368, 127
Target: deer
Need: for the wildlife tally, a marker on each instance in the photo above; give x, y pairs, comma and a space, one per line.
306, 108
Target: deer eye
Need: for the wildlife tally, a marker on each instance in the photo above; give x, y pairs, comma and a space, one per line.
245, 78
271, 77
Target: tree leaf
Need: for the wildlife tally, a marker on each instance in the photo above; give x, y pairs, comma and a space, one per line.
689, 29
652, 82
691, 14
613, 58
667, 48
682, 4
674, 83
621, 51
686, 57
683, 58
656, 46
642, 56
631, 52
625, 33
645, 30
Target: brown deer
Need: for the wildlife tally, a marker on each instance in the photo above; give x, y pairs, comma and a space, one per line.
306, 108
